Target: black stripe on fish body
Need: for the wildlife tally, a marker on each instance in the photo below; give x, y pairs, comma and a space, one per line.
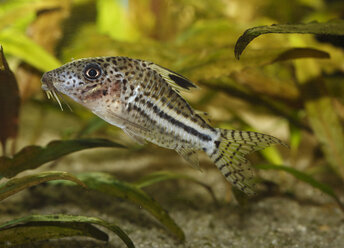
170, 100
173, 100
173, 104
191, 113
144, 115
181, 125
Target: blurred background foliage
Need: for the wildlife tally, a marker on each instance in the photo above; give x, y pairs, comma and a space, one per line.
287, 85
290, 86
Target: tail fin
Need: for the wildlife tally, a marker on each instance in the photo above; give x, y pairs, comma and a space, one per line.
230, 151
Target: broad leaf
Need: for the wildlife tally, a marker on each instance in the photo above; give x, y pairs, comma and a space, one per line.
42, 227
32, 157
17, 184
9, 102
328, 28
325, 122
305, 178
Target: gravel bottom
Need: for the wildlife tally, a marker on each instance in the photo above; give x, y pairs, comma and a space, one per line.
268, 222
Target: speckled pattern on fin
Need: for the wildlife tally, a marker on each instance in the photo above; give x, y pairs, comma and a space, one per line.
230, 155
190, 156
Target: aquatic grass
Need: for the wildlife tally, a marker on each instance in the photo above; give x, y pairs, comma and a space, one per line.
31, 157
304, 178
34, 228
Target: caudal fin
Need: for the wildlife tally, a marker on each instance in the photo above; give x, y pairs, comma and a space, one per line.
230, 151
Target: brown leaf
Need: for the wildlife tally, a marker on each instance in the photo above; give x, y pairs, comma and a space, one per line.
325, 122
298, 53
265, 85
9, 102
46, 31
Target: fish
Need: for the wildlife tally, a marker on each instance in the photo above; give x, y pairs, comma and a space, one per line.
144, 100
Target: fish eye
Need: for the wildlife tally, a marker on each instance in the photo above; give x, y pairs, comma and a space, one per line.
92, 71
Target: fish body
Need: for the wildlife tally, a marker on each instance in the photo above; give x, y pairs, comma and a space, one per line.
143, 99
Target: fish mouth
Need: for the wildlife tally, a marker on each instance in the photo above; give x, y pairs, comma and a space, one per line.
51, 91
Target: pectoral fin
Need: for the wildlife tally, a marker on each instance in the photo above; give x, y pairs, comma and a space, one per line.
129, 127
190, 156
135, 137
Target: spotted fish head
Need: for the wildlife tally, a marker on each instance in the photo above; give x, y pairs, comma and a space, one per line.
84, 80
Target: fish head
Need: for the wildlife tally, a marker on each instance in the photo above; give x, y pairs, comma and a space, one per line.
87, 81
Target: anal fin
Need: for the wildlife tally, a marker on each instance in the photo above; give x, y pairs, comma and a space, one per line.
190, 156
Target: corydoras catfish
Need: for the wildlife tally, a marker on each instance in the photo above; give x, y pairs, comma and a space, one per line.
143, 99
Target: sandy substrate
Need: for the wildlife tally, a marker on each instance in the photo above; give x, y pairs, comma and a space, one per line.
309, 219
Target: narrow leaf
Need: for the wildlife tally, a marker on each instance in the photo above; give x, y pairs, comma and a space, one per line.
298, 53
32, 157
42, 227
272, 155
329, 28
19, 45
305, 178
17, 184
14, 12
295, 138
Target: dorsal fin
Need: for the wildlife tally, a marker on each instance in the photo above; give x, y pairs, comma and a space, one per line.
175, 80
204, 115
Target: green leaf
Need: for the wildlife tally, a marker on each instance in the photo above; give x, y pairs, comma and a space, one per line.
305, 178
160, 176
42, 227
20, 45
295, 138
17, 184
109, 185
272, 155
113, 19
13, 13
329, 28
31, 157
